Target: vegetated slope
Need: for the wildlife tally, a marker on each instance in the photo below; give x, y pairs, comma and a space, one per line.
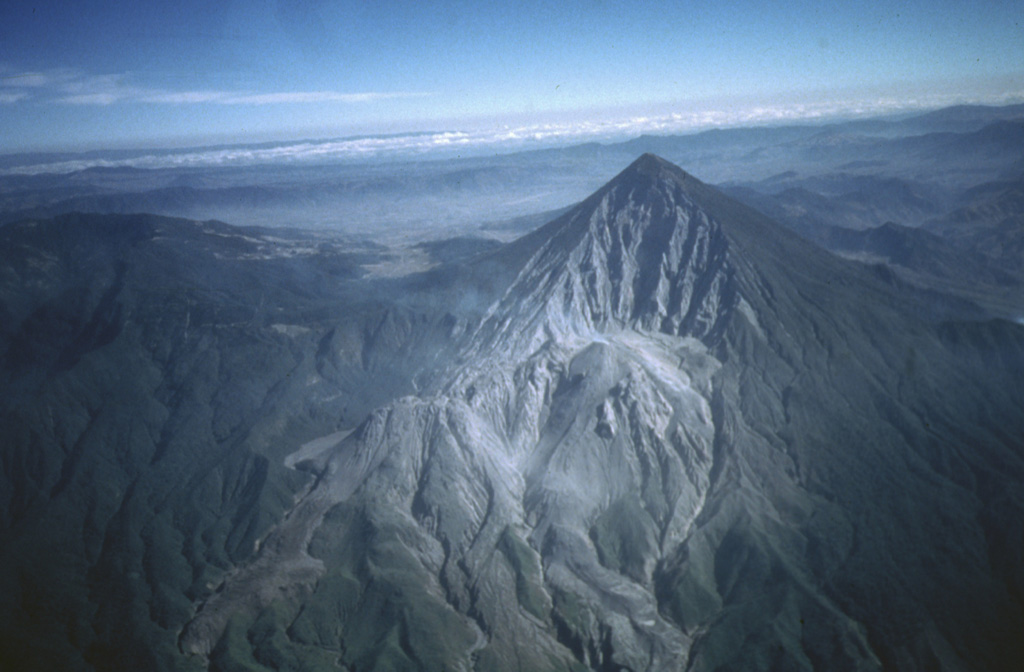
972, 252
934, 263
681, 438
991, 222
153, 375
811, 206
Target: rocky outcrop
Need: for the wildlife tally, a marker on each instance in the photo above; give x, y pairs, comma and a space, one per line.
566, 455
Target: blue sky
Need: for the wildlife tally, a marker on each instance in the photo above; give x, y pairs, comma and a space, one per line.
111, 74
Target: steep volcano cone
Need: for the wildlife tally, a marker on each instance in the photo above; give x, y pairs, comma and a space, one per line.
640, 253
680, 439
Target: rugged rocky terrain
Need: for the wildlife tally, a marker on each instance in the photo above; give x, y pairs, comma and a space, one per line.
660, 432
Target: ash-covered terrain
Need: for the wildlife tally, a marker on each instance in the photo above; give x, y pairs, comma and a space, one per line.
660, 432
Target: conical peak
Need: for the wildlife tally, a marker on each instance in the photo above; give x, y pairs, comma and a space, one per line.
650, 164
640, 253
654, 167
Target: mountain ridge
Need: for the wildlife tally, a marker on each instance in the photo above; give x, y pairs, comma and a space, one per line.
536, 460
652, 491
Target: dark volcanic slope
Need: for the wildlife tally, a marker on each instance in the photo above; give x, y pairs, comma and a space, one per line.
845, 398
682, 438
679, 437
153, 374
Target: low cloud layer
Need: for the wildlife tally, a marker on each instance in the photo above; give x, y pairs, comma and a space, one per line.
70, 88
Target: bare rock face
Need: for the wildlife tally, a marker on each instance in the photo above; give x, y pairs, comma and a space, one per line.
664, 447
539, 487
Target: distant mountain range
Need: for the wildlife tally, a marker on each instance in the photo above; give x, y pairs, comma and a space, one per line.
864, 173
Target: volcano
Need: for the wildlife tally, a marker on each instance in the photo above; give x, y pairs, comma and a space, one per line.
680, 437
